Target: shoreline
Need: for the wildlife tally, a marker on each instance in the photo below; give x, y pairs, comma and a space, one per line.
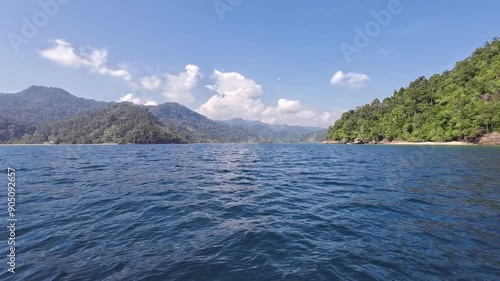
49, 144
490, 139
450, 143
454, 143
401, 143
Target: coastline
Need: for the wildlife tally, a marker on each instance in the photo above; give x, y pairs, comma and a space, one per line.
487, 139
49, 144
430, 143
452, 143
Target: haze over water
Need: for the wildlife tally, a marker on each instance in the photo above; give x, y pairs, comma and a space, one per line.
256, 212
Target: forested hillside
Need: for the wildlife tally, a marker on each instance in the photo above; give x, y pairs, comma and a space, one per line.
196, 127
40, 105
52, 115
318, 136
11, 129
461, 104
272, 133
118, 123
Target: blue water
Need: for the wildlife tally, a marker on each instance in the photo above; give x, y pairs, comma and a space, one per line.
254, 212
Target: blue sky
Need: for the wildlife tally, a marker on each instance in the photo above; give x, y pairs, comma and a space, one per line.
276, 61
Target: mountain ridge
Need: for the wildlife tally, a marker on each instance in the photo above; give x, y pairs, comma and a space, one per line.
33, 115
273, 132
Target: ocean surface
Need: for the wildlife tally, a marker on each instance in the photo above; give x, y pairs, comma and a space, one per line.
254, 212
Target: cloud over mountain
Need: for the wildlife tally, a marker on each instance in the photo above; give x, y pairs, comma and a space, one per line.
239, 96
179, 87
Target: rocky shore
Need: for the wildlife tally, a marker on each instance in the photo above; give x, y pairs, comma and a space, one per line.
490, 139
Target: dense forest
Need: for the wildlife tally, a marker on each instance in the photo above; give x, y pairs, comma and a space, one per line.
461, 104
40, 105
118, 123
11, 129
198, 128
51, 115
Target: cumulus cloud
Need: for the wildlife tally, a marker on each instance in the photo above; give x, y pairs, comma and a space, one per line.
350, 79
130, 98
236, 96
95, 60
288, 106
151, 83
179, 87
239, 97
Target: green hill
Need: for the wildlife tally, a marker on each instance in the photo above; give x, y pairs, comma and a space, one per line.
196, 127
270, 132
318, 136
462, 104
11, 129
117, 123
41, 105
46, 114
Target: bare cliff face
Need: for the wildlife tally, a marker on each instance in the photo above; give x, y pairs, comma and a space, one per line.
490, 139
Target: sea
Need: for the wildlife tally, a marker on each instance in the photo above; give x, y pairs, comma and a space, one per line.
251, 212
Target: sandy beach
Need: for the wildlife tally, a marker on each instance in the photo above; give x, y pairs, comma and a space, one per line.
430, 143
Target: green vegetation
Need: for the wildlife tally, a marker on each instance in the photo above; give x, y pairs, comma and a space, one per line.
461, 104
52, 115
118, 123
272, 133
196, 127
41, 105
318, 136
11, 129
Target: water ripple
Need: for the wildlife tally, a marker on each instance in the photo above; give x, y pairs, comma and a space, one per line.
257, 212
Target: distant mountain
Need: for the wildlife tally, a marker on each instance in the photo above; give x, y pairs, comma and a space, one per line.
272, 133
196, 127
40, 105
117, 123
318, 136
45, 114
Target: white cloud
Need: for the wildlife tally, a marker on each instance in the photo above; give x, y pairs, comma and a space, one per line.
151, 83
236, 96
288, 106
179, 87
350, 79
239, 97
64, 54
130, 98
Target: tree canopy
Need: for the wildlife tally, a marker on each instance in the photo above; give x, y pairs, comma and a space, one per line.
118, 123
461, 104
